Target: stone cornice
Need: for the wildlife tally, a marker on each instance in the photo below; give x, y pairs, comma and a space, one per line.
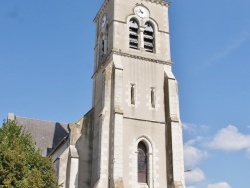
141, 57
161, 2
119, 52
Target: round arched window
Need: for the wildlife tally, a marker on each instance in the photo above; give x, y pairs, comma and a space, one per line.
133, 34
148, 37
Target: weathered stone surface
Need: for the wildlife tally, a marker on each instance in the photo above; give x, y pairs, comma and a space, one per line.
119, 183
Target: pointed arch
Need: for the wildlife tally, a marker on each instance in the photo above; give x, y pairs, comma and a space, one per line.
147, 142
144, 156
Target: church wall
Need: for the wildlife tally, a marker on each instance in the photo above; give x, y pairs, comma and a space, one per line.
125, 8
84, 148
124, 11
62, 175
60, 156
174, 132
110, 10
60, 150
119, 123
155, 134
110, 38
101, 126
98, 96
145, 76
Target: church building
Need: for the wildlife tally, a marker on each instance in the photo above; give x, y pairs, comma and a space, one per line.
132, 135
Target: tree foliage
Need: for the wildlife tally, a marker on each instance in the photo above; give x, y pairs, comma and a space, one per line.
21, 164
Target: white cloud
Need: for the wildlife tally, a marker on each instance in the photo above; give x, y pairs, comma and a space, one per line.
197, 139
194, 129
192, 155
189, 127
219, 185
230, 139
194, 176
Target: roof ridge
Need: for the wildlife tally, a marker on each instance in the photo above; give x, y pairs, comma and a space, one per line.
40, 120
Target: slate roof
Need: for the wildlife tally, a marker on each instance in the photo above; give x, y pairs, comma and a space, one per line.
47, 135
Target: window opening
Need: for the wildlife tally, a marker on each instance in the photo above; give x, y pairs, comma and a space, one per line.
132, 92
103, 44
153, 97
148, 37
142, 163
102, 47
133, 34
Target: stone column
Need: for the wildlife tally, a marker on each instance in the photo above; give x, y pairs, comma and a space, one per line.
105, 129
176, 142
74, 166
141, 38
73, 161
118, 124
150, 170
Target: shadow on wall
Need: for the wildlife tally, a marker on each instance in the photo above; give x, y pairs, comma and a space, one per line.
60, 133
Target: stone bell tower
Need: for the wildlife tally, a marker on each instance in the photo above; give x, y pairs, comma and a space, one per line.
137, 132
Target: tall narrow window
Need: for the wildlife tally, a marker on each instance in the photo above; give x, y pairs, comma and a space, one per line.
152, 97
132, 93
133, 34
142, 163
148, 38
102, 47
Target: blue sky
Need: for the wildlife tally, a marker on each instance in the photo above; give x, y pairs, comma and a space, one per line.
46, 61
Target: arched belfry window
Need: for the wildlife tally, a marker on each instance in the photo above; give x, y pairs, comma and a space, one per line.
103, 44
148, 37
142, 162
133, 34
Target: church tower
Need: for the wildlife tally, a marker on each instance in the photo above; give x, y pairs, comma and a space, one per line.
136, 128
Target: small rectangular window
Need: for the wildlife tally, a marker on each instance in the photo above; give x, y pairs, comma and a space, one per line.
102, 47
152, 93
132, 93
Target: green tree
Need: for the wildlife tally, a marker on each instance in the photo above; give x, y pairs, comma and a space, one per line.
21, 164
